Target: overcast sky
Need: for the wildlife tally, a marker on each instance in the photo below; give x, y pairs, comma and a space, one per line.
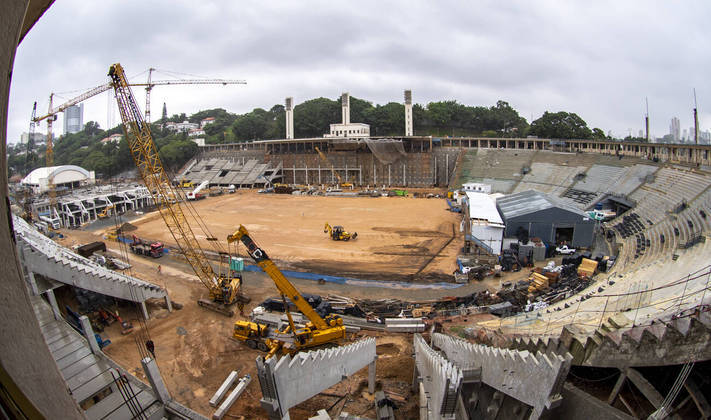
597, 59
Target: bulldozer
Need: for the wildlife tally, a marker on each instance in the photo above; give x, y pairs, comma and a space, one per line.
337, 233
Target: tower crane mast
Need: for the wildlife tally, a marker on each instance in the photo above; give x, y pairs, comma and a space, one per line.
224, 289
52, 112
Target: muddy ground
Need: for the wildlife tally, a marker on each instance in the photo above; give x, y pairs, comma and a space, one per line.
398, 238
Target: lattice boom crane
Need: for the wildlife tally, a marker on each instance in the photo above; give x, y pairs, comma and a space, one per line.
224, 288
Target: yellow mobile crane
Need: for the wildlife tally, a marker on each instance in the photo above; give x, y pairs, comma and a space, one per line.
318, 331
225, 289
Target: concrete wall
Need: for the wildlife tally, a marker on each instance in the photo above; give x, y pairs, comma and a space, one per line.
33, 379
289, 381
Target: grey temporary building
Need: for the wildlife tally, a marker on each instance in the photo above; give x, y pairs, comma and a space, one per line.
545, 217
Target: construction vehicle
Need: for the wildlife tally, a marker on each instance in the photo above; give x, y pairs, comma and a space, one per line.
337, 233
225, 288
195, 194
317, 332
184, 183
141, 247
106, 212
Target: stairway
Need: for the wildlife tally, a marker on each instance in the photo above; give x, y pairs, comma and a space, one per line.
44, 256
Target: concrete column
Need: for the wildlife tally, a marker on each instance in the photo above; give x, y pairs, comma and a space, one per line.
167, 302
145, 310
151, 369
53, 303
89, 334
346, 108
408, 113
289, 118
33, 282
371, 376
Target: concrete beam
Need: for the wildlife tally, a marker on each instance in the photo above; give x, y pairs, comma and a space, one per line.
89, 334
230, 400
150, 367
645, 387
701, 402
617, 387
222, 390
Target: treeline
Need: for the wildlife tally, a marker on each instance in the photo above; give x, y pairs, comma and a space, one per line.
312, 118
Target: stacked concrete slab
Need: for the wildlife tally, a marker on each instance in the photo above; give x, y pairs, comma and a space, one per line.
42, 255
535, 379
289, 381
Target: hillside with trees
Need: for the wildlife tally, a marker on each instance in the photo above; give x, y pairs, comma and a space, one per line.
311, 119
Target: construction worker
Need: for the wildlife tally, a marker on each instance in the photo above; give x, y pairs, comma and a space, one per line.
240, 306
159, 269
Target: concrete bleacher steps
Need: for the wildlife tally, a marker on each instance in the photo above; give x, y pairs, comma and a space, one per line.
549, 178
533, 377
291, 380
44, 256
88, 374
666, 342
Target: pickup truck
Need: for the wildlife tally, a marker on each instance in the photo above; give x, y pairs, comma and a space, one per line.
564, 250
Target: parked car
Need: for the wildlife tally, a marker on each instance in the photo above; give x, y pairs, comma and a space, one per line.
564, 250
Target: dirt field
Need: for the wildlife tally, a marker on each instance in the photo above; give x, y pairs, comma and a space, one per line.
399, 238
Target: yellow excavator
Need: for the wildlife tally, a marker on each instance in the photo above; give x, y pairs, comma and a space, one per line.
225, 288
317, 332
337, 233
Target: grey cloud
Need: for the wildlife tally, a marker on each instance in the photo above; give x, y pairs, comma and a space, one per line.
599, 59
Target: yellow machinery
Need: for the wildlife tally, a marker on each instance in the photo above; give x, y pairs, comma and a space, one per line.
334, 172
318, 331
225, 288
337, 233
106, 212
186, 184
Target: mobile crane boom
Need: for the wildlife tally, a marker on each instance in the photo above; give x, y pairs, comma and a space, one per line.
282, 283
224, 290
317, 332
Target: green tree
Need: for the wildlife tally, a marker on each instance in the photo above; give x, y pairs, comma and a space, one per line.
598, 134
560, 125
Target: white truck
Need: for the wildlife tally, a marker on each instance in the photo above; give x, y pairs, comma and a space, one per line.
564, 250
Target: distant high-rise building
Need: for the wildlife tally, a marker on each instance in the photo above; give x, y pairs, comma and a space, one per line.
674, 129
641, 134
692, 131
74, 119
36, 138
164, 117
684, 135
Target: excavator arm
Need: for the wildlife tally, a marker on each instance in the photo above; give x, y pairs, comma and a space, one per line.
282, 283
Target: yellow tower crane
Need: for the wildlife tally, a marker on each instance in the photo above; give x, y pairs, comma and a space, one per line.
225, 289
52, 112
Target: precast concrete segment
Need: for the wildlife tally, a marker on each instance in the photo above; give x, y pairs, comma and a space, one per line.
535, 379
290, 381
44, 256
222, 390
441, 380
230, 400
